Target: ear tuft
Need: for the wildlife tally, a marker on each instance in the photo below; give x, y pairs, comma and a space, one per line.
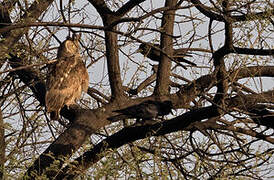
69, 46
76, 37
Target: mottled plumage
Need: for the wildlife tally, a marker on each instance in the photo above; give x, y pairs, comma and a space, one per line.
147, 110
68, 77
154, 54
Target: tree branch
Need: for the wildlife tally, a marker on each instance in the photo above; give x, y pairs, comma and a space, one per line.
253, 16
114, 71
2, 146
207, 11
5, 16
163, 73
101, 7
250, 51
30, 78
127, 7
82, 118
13, 26
190, 91
218, 57
34, 11
111, 44
131, 134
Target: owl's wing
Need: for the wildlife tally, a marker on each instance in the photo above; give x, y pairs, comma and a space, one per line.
60, 72
83, 73
61, 87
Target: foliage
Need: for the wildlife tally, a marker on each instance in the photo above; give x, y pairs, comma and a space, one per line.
223, 120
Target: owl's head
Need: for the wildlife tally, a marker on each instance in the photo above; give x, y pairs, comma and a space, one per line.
70, 47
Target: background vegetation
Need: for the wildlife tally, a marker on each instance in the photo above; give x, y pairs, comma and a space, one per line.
223, 119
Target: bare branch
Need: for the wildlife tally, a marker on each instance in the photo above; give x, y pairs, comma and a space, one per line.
34, 11
127, 7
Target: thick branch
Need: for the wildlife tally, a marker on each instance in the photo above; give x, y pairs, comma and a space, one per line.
220, 69
255, 105
101, 7
113, 66
249, 101
31, 79
2, 146
250, 51
130, 134
82, 126
94, 92
162, 81
111, 43
222, 81
190, 91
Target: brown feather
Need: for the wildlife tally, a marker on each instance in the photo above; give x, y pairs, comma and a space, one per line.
67, 79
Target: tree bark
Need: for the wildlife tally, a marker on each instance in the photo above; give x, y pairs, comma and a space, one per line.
163, 73
2, 146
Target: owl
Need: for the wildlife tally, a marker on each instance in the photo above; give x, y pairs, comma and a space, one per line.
67, 78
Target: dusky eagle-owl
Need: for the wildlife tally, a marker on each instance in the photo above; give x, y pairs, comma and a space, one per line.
67, 78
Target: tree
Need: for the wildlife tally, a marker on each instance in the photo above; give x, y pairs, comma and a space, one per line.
223, 125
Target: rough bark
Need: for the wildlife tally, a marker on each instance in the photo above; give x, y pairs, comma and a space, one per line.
85, 122
182, 122
163, 73
2, 146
